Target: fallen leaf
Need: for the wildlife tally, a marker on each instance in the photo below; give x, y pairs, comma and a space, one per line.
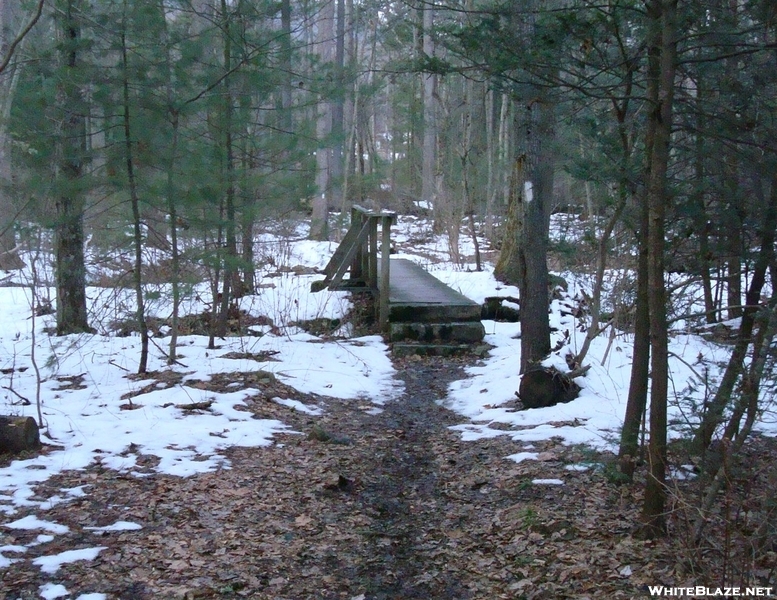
303, 521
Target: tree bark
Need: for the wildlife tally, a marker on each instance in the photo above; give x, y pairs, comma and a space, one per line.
640, 361
319, 220
429, 148
9, 259
286, 56
532, 253
231, 274
172, 211
506, 269
662, 15
70, 203
338, 109
137, 275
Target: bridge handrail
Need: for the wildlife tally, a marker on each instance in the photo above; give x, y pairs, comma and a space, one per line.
359, 252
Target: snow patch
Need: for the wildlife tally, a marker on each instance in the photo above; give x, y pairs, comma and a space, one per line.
51, 564
117, 526
33, 522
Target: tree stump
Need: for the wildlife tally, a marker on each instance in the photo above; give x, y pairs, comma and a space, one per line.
541, 387
18, 434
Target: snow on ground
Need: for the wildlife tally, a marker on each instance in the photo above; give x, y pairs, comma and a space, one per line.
83, 385
83, 381
595, 417
51, 564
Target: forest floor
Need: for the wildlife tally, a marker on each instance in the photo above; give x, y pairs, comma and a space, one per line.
361, 505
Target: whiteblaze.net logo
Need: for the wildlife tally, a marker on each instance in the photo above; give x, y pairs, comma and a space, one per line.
701, 591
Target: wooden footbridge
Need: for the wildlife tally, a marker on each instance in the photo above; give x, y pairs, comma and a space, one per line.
411, 303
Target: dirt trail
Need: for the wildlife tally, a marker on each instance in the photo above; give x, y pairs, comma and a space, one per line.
387, 506
404, 491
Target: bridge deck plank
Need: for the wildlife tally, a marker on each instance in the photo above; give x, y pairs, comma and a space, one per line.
412, 290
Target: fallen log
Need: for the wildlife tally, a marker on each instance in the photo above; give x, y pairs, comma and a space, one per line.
18, 434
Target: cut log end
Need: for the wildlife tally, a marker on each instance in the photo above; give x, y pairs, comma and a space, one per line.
18, 434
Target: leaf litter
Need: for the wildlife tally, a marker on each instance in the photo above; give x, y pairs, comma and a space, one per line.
405, 509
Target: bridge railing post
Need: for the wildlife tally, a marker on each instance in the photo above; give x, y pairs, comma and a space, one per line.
371, 258
385, 255
357, 218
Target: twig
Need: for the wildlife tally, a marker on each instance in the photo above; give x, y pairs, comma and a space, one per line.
112, 362
166, 355
25, 401
22, 34
195, 405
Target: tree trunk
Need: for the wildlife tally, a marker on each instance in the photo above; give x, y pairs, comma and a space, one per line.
732, 235
429, 148
248, 218
319, 220
532, 252
640, 361
175, 259
506, 269
10, 42
173, 115
137, 276
702, 223
231, 274
490, 109
70, 203
663, 55
286, 56
338, 109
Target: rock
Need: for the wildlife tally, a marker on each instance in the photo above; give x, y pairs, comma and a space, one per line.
494, 308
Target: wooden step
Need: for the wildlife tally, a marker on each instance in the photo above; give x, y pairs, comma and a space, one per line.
400, 350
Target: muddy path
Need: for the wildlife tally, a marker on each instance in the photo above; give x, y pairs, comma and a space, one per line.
359, 505
403, 490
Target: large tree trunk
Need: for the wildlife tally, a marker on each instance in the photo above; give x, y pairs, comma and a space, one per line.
523, 258
662, 15
70, 203
533, 251
506, 269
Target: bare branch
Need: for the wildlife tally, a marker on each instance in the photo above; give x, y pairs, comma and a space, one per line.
22, 34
